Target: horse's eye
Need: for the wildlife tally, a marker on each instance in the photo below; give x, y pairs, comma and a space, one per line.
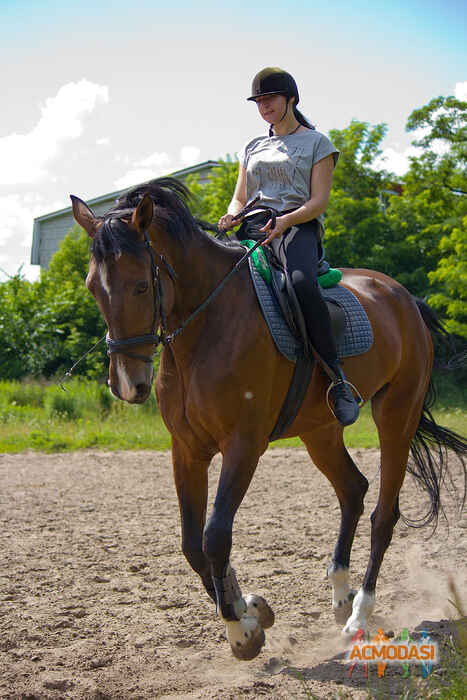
141, 287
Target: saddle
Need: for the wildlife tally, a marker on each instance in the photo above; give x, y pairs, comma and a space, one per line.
287, 299
284, 318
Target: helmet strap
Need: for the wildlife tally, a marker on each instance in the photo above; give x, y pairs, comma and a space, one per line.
271, 128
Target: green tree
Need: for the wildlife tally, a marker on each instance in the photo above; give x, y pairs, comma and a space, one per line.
210, 201
433, 208
359, 232
19, 337
450, 277
46, 326
71, 310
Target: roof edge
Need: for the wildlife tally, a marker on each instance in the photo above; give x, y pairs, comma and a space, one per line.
192, 169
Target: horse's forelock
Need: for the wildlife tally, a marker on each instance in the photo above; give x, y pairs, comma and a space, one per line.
170, 197
113, 238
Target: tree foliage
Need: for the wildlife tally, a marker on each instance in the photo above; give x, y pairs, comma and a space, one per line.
436, 195
45, 326
210, 201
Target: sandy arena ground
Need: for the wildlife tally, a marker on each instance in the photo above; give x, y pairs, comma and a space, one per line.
98, 603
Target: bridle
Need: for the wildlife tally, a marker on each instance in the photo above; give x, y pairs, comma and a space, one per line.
159, 320
120, 345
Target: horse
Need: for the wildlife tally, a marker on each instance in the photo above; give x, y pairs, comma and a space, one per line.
221, 383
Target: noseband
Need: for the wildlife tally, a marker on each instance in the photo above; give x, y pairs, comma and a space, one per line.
120, 346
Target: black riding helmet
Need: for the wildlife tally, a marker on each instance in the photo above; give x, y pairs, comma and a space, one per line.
273, 81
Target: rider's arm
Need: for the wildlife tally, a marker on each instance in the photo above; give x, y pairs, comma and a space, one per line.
320, 188
238, 201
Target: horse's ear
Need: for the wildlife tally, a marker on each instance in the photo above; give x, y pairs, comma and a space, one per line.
142, 215
83, 215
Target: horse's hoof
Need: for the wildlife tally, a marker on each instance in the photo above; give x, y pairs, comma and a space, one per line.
250, 647
259, 608
351, 631
343, 611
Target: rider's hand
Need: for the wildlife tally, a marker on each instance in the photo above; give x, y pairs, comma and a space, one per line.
279, 229
226, 222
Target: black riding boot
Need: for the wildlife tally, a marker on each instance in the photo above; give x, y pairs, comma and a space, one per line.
344, 405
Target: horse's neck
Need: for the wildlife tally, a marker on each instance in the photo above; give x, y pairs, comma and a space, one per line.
200, 266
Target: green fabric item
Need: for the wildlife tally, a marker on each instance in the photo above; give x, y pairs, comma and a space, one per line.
330, 278
260, 261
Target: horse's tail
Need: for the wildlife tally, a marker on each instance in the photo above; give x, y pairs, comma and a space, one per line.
429, 448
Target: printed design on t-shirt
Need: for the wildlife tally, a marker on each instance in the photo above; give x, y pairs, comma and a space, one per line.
274, 170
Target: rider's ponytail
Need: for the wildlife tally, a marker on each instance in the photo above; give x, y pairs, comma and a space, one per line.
302, 119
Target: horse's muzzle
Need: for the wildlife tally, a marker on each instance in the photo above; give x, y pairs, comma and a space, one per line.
138, 393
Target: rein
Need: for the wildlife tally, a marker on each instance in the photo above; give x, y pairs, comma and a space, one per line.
120, 346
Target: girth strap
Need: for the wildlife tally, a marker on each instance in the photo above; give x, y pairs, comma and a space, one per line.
293, 401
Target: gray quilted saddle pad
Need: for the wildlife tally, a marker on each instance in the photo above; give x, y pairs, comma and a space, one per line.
358, 336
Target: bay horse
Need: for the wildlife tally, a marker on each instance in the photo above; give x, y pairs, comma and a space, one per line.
221, 384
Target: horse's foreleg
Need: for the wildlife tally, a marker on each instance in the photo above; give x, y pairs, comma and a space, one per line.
245, 617
327, 450
191, 482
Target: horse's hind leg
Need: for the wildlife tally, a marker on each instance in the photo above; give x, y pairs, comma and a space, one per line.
327, 450
245, 618
397, 422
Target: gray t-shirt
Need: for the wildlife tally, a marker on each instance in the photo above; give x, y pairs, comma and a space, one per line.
278, 168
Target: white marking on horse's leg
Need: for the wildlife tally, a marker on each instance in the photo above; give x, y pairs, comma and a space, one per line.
342, 595
362, 608
339, 578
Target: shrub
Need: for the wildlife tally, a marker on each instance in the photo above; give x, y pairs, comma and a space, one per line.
62, 404
22, 394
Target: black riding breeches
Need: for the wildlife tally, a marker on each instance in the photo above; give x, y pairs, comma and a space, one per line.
298, 250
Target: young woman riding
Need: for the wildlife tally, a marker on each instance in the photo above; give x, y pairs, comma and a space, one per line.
291, 170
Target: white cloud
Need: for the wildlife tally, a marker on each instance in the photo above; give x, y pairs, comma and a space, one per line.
134, 177
16, 214
24, 157
145, 169
460, 91
155, 165
104, 141
394, 161
155, 160
189, 155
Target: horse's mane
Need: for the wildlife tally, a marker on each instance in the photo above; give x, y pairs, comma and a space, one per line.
170, 198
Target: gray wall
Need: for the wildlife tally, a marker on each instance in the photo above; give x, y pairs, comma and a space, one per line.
49, 232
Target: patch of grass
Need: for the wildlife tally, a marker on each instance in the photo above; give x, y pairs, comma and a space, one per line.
59, 404
44, 417
21, 394
363, 433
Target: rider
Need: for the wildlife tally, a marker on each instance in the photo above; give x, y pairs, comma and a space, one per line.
291, 169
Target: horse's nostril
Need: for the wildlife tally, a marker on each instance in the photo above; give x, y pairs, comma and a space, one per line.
142, 390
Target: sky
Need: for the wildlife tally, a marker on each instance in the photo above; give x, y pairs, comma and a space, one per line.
94, 99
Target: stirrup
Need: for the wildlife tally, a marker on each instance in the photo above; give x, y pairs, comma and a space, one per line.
358, 398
